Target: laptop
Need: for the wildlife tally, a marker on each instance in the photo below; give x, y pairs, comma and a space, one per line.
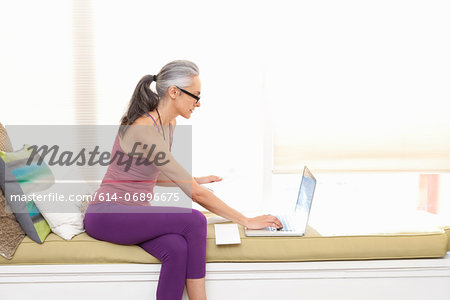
294, 222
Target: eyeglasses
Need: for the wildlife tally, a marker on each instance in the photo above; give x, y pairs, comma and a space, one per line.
197, 98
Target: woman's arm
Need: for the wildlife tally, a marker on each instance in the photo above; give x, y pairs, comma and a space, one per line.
163, 180
211, 202
147, 141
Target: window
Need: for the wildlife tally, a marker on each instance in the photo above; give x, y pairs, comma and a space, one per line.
36, 62
362, 87
355, 90
361, 93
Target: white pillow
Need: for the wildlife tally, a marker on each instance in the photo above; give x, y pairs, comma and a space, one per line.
64, 217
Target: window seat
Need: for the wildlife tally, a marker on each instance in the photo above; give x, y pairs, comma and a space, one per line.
391, 266
83, 249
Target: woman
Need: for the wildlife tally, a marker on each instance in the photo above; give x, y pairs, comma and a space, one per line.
174, 235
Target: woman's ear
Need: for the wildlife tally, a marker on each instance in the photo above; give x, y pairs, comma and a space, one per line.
173, 91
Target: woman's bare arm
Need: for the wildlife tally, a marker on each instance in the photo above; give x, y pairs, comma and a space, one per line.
211, 202
147, 141
163, 180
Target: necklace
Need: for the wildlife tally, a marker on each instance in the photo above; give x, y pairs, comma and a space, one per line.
162, 128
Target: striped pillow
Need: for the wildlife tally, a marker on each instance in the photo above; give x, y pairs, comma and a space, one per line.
21, 179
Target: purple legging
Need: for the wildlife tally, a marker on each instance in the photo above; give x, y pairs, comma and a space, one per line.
174, 235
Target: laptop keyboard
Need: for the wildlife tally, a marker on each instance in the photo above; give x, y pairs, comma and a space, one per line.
287, 222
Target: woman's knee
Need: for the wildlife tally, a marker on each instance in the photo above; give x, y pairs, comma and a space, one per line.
176, 249
199, 219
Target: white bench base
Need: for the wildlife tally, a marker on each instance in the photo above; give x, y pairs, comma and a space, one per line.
375, 279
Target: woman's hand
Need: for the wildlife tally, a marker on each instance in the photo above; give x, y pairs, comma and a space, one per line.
207, 179
263, 221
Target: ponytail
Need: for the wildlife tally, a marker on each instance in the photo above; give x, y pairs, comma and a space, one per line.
142, 101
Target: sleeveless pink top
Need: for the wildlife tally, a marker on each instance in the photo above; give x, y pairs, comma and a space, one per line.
131, 187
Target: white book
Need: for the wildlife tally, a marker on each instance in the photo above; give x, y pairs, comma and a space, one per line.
227, 234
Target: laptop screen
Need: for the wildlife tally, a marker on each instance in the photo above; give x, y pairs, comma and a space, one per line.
305, 196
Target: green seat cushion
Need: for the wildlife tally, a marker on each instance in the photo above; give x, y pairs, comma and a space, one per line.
83, 249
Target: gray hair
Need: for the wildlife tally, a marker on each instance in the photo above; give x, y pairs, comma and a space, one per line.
177, 72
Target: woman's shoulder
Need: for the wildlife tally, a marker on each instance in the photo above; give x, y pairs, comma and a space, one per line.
143, 120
